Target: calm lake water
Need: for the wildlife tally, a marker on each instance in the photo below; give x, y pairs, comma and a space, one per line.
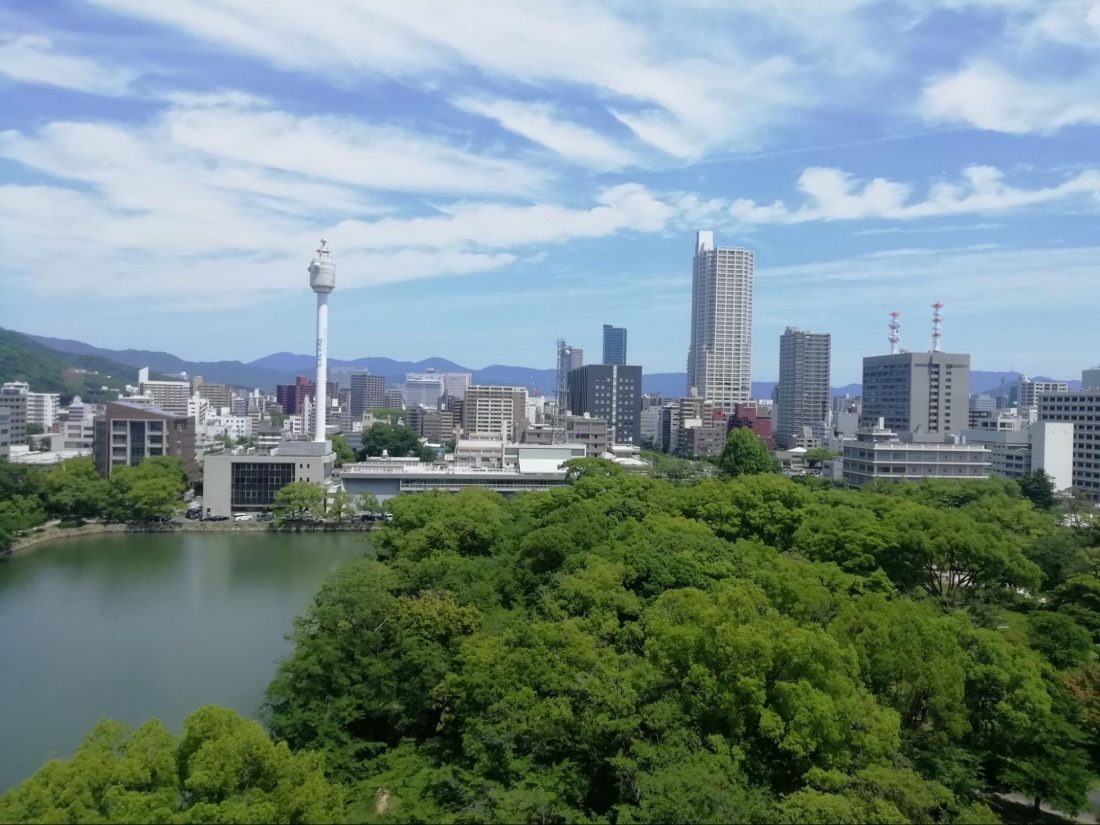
140, 626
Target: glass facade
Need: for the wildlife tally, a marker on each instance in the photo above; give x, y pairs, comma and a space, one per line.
254, 484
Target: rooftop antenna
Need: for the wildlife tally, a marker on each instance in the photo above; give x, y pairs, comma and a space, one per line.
895, 335
937, 319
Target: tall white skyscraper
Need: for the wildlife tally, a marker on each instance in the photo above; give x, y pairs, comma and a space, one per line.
720, 356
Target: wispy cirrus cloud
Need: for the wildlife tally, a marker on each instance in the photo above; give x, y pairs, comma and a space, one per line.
34, 59
833, 194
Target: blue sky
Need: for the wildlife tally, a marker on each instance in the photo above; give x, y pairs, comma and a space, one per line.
492, 176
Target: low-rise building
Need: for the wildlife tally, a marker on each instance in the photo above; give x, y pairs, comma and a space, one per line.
1045, 445
878, 453
248, 481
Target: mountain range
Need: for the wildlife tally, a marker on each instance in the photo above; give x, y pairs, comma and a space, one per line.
282, 367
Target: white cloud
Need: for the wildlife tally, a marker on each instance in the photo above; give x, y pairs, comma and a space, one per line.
833, 194
709, 97
542, 124
32, 59
988, 97
499, 226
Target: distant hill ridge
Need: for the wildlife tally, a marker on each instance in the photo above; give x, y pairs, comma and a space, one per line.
282, 367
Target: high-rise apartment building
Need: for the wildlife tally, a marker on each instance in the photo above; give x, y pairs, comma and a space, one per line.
1028, 391
170, 396
13, 398
217, 395
802, 397
43, 408
614, 345
5, 433
611, 392
494, 412
916, 392
368, 392
720, 355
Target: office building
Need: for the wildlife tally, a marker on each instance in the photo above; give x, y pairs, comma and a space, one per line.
127, 434
1044, 445
218, 395
423, 389
917, 392
491, 412
614, 345
569, 359
291, 397
368, 392
13, 399
1028, 392
5, 433
170, 396
455, 384
1082, 409
878, 453
720, 354
1090, 379
802, 397
394, 398
436, 426
610, 392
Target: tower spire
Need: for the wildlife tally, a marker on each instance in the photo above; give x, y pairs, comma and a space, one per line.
895, 332
937, 319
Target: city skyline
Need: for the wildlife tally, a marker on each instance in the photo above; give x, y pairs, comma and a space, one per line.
163, 167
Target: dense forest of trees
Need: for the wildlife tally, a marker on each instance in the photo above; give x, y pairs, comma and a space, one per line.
629, 649
74, 490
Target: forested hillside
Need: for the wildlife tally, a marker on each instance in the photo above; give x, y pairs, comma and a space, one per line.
22, 359
750, 650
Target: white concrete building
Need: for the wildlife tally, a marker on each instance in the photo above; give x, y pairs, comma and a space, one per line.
455, 384
234, 426
78, 427
198, 408
878, 453
43, 408
423, 389
1028, 392
1045, 445
720, 355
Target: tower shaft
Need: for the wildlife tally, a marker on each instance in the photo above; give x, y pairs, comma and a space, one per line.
322, 367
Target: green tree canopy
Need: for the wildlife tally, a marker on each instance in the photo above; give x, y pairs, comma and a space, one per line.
299, 499
151, 490
745, 454
1038, 488
345, 454
396, 439
815, 455
221, 769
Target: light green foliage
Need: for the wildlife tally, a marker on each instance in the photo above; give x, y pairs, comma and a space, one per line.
75, 489
345, 454
342, 507
298, 500
745, 454
815, 455
149, 491
19, 513
389, 414
633, 650
222, 769
396, 440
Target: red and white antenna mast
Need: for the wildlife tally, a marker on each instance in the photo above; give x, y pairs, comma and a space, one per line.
895, 335
937, 319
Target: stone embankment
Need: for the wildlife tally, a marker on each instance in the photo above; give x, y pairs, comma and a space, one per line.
51, 532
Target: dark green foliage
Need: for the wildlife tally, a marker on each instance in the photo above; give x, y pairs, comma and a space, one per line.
221, 769
631, 650
396, 440
1038, 488
1058, 637
745, 454
344, 453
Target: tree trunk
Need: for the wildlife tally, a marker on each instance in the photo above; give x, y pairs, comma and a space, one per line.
1035, 807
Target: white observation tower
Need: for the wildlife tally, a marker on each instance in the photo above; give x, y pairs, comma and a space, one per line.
322, 280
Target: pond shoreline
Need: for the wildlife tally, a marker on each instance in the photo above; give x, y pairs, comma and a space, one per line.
52, 534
